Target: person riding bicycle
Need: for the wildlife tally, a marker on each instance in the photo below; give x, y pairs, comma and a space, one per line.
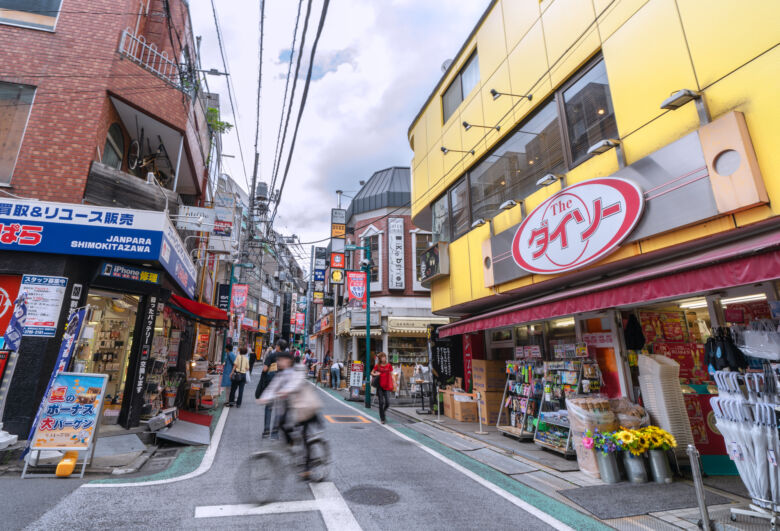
301, 405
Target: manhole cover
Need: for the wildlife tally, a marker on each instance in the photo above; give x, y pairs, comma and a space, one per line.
368, 495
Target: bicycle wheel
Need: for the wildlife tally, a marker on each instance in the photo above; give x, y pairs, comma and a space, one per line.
261, 478
320, 459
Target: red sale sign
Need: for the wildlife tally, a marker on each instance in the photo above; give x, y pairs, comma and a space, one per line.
356, 285
577, 226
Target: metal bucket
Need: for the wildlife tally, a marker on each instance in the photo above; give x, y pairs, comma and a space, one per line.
659, 467
635, 468
608, 467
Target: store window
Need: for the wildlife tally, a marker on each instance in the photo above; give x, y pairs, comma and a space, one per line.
459, 201
590, 116
461, 86
37, 14
114, 149
16, 102
421, 242
440, 224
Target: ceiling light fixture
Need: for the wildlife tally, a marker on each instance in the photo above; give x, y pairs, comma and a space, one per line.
744, 298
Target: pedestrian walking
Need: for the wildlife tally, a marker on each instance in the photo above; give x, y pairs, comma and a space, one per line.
227, 369
238, 377
383, 383
270, 369
252, 360
335, 374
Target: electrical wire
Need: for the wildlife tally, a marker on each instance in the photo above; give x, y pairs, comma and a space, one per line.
277, 154
259, 79
302, 106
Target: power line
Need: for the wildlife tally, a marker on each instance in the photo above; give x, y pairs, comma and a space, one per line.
277, 154
292, 97
230, 89
305, 94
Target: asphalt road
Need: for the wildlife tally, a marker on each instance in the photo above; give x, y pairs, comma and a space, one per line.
380, 479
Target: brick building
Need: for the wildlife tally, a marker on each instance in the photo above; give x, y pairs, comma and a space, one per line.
104, 125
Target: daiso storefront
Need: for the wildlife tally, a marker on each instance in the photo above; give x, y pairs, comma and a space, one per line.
126, 267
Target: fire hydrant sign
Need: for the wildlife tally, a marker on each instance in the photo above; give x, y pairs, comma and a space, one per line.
71, 411
44, 301
578, 226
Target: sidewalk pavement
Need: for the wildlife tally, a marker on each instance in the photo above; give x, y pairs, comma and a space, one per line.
550, 474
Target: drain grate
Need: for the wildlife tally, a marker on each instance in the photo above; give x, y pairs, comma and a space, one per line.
368, 495
166, 452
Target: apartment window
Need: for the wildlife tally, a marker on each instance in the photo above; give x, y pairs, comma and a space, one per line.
440, 219
114, 150
421, 242
464, 82
587, 105
459, 201
373, 238
15, 103
37, 14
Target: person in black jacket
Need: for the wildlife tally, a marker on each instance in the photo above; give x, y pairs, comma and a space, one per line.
269, 371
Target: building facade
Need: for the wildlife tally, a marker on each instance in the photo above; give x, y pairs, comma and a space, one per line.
582, 162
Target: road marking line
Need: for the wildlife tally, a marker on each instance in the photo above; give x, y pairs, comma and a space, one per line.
205, 465
541, 515
360, 420
327, 500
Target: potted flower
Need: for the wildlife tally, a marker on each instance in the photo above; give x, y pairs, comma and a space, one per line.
659, 442
605, 446
634, 445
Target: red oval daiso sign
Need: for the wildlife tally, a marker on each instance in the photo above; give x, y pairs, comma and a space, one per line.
577, 226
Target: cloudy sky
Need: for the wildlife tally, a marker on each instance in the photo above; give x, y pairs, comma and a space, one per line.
376, 63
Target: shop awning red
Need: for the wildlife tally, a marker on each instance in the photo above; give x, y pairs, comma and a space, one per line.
206, 312
716, 269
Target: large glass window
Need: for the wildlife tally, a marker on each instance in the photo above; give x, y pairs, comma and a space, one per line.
38, 14
114, 150
460, 209
589, 113
440, 224
376, 257
15, 103
422, 242
464, 82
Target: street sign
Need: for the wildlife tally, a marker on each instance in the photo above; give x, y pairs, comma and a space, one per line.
352, 247
336, 276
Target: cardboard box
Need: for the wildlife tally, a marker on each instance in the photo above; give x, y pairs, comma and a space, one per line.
488, 375
489, 406
198, 375
448, 405
464, 407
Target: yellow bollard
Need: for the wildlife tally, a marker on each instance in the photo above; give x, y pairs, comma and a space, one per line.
67, 464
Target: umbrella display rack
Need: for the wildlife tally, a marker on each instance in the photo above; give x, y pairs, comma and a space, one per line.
746, 412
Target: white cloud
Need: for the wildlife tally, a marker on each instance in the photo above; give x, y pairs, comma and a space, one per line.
376, 64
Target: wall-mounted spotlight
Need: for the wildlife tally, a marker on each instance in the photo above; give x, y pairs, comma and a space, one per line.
549, 179
681, 97
496, 94
478, 223
468, 126
603, 146
506, 205
447, 150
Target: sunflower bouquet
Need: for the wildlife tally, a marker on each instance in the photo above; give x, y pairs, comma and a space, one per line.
635, 441
659, 439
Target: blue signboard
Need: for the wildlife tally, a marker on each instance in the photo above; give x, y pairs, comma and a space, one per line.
64, 228
319, 275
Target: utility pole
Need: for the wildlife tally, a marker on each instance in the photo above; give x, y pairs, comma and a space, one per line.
367, 268
309, 292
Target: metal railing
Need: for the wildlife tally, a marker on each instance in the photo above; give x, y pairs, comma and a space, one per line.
135, 48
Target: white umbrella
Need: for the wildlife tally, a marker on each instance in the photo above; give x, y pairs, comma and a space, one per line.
759, 441
731, 429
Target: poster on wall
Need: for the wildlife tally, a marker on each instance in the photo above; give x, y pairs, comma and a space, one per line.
69, 412
44, 302
663, 326
395, 249
9, 289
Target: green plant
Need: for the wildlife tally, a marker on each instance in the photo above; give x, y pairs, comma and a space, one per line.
217, 125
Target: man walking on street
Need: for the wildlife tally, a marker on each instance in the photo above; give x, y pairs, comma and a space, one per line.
269, 371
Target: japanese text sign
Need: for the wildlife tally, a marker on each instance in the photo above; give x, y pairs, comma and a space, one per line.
356, 285
44, 301
395, 247
70, 412
577, 226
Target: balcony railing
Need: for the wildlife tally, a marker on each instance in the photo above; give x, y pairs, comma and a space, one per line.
135, 48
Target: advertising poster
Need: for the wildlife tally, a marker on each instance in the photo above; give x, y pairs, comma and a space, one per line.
300, 320
70, 412
44, 302
356, 285
690, 356
663, 326
239, 297
9, 289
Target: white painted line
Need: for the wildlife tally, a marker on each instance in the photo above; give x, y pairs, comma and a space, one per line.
522, 504
334, 508
327, 500
205, 465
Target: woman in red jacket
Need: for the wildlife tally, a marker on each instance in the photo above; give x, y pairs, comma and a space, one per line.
384, 370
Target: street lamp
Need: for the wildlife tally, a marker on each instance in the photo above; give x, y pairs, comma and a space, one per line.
366, 267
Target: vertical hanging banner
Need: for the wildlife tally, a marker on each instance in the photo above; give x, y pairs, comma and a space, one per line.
356, 285
395, 251
300, 321
239, 297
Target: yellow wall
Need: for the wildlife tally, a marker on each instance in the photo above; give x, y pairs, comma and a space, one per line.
724, 48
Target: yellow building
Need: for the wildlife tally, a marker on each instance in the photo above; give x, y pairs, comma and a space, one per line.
672, 105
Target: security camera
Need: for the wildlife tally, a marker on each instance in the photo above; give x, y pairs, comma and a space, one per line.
365, 262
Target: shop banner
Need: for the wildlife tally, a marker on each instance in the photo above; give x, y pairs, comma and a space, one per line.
395, 248
44, 302
319, 275
238, 297
67, 347
127, 272
468, 357
317, 297
9, 290
356, 374
337, 260
15, 329
71, 409
446, 359
72, 229
262, 324
300, 321
356, 285
223, 297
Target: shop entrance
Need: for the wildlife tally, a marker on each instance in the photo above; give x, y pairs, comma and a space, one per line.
106, 345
